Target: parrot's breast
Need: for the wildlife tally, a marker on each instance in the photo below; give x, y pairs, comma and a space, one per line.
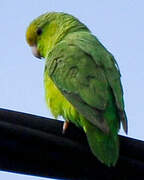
58, 104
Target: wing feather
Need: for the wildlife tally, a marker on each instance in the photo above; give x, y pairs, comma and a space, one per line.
84, 71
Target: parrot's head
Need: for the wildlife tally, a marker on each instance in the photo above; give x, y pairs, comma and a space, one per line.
50, 28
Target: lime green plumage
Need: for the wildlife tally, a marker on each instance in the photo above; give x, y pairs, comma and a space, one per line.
82, 81
57, 103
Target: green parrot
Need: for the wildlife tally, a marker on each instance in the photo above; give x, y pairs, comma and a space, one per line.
81, 79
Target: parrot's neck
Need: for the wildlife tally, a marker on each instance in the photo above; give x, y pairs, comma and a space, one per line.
54, 33
48, 40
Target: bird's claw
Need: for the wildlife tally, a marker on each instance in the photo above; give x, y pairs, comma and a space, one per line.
65, 126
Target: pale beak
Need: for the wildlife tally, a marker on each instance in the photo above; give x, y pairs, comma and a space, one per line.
35, 51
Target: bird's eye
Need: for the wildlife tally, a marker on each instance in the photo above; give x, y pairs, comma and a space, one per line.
39, 31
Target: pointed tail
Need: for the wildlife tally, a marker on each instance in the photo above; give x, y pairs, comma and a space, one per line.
104, 146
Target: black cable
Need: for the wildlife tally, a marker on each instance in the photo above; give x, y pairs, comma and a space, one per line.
35, 145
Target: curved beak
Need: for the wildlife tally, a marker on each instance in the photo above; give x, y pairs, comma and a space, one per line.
35, 51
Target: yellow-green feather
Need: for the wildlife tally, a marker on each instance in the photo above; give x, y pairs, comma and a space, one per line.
57, 103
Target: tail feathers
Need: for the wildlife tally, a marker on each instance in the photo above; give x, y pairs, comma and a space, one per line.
104, 146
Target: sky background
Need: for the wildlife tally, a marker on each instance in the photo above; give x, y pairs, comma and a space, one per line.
118, 25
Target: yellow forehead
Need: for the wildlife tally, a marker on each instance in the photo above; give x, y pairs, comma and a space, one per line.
31, 34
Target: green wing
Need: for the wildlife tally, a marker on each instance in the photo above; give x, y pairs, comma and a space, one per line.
77, 71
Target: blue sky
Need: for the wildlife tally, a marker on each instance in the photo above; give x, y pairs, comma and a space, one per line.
117, 24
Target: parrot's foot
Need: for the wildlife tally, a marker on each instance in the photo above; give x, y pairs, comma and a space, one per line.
65, 126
